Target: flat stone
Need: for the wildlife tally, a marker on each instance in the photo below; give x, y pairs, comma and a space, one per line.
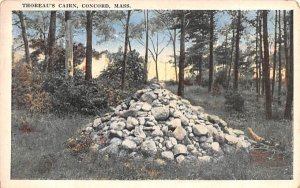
179, 149
179, 133
111, 149
204, 159
213, 118
215, 146
146, 107
148, 97
231, 139
128, 144
118, 126
148, 147
238, 132
168, 155
127, 113
199, 130
138, 132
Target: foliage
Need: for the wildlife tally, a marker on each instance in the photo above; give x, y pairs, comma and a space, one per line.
27, 89
221, 78
134, 68
234, 100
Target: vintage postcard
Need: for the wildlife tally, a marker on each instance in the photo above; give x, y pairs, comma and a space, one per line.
160, 93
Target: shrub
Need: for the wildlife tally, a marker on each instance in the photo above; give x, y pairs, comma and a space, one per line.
27, 89
234, 100
221, 78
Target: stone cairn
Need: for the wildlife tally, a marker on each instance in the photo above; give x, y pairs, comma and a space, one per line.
155, 123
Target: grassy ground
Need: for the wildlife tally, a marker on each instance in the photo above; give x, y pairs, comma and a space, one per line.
39, 152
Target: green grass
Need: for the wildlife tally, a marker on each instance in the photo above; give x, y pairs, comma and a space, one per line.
42, 154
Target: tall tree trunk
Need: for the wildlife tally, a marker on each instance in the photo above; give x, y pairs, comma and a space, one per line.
146, 47
174, 52
24, 36
231, 58
69, 68
51, 41
257, 65
89, 47
275, 56
279, 60
200, 70
180, 90
286, 50
156, 58
237, 52
125, 50
290, 96
266, 66
261, 55
211, 55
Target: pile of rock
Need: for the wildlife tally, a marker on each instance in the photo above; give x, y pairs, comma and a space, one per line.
158, 124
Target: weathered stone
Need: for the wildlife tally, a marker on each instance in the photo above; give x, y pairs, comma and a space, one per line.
148, 147
238, 132
231, 139
160, 113
115, 141
197, 109
148, 97
175, 123
89, 129
209, 139
190, 147
127, 113
180, 159
157, 132
177, 114
213, 118
184, 121
173, 140
179, 133
115, 133
189, 129
204, 159
242, 145
164, 129
118, 126
215, 147
133, 121
168, 155
111, 149
202, 139
179, 149
141, 120
128, 144
150, 123
219, 137
138, 132
146, 107
205, 145
199, 130
169, 144
97, 122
